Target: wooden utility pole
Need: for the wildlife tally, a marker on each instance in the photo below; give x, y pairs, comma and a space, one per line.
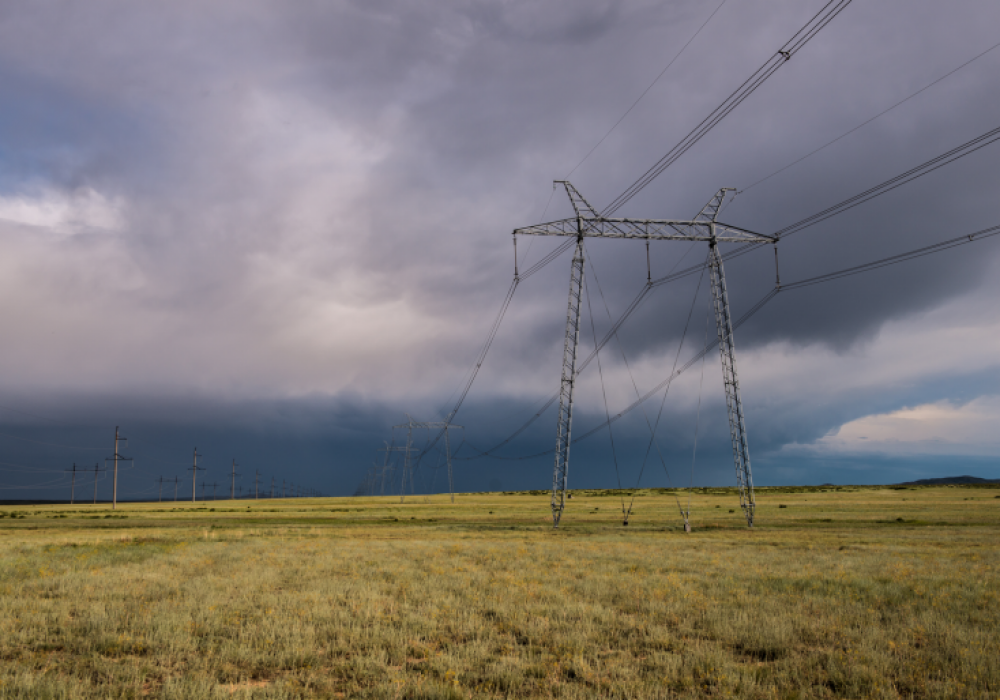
194, 477
232, 488
160, 497
176, 480
272, 487
256, 480
72, 483
116, 457
96, 469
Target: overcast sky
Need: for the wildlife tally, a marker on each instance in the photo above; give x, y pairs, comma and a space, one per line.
271, 230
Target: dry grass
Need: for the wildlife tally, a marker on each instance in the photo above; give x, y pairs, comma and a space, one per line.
863, 593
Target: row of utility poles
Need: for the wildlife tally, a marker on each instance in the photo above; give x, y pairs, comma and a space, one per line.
288, 490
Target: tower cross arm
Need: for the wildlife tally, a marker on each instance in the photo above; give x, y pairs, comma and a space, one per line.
645, 229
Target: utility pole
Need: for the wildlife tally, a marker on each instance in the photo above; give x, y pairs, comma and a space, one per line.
705, 227
116, 457
176, 480
214, 486
256, 480
194, 477
232, 489
385, 469
272, 487
160, 499
96, 469
72, 483
282, 488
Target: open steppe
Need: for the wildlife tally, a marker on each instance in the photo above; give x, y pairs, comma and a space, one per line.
837, 592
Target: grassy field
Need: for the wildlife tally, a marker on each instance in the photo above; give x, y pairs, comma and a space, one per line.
838, 592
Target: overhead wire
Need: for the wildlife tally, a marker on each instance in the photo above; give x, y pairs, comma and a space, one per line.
656, 425
635, 386
747, 88
697, 419
646, 91
870, 119
929, 166
604, 393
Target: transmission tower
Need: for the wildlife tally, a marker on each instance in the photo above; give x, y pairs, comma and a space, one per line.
407, 450
588, 223
444, 425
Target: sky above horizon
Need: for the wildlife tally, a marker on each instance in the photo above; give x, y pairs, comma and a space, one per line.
273, 230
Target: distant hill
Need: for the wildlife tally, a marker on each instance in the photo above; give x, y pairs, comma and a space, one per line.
945, 480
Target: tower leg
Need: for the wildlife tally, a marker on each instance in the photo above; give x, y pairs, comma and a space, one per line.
727, 349
560, 472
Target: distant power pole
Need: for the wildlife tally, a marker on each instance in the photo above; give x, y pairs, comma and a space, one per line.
160, 499
96, 469
72, 484
116, 457
203, 489
214, 486
256, 480
176, 480
232, 489
272, 487
194, 477
445, 426
282, 488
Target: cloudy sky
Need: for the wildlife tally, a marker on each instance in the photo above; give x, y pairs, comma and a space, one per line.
272, 230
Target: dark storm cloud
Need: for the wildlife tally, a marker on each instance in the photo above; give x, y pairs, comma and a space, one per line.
259, 202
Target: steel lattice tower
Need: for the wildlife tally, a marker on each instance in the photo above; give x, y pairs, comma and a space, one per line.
704, 227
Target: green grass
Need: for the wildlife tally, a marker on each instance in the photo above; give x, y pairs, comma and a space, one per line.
844, 592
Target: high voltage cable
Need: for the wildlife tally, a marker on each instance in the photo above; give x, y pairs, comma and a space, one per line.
925, 168
792, 46
894, 259
868, 121
604, 393
644, 92
929, 166
655, 426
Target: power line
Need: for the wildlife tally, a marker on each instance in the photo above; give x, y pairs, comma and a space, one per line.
895, 259
749, 86
644, 92
871, 119
967, 148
